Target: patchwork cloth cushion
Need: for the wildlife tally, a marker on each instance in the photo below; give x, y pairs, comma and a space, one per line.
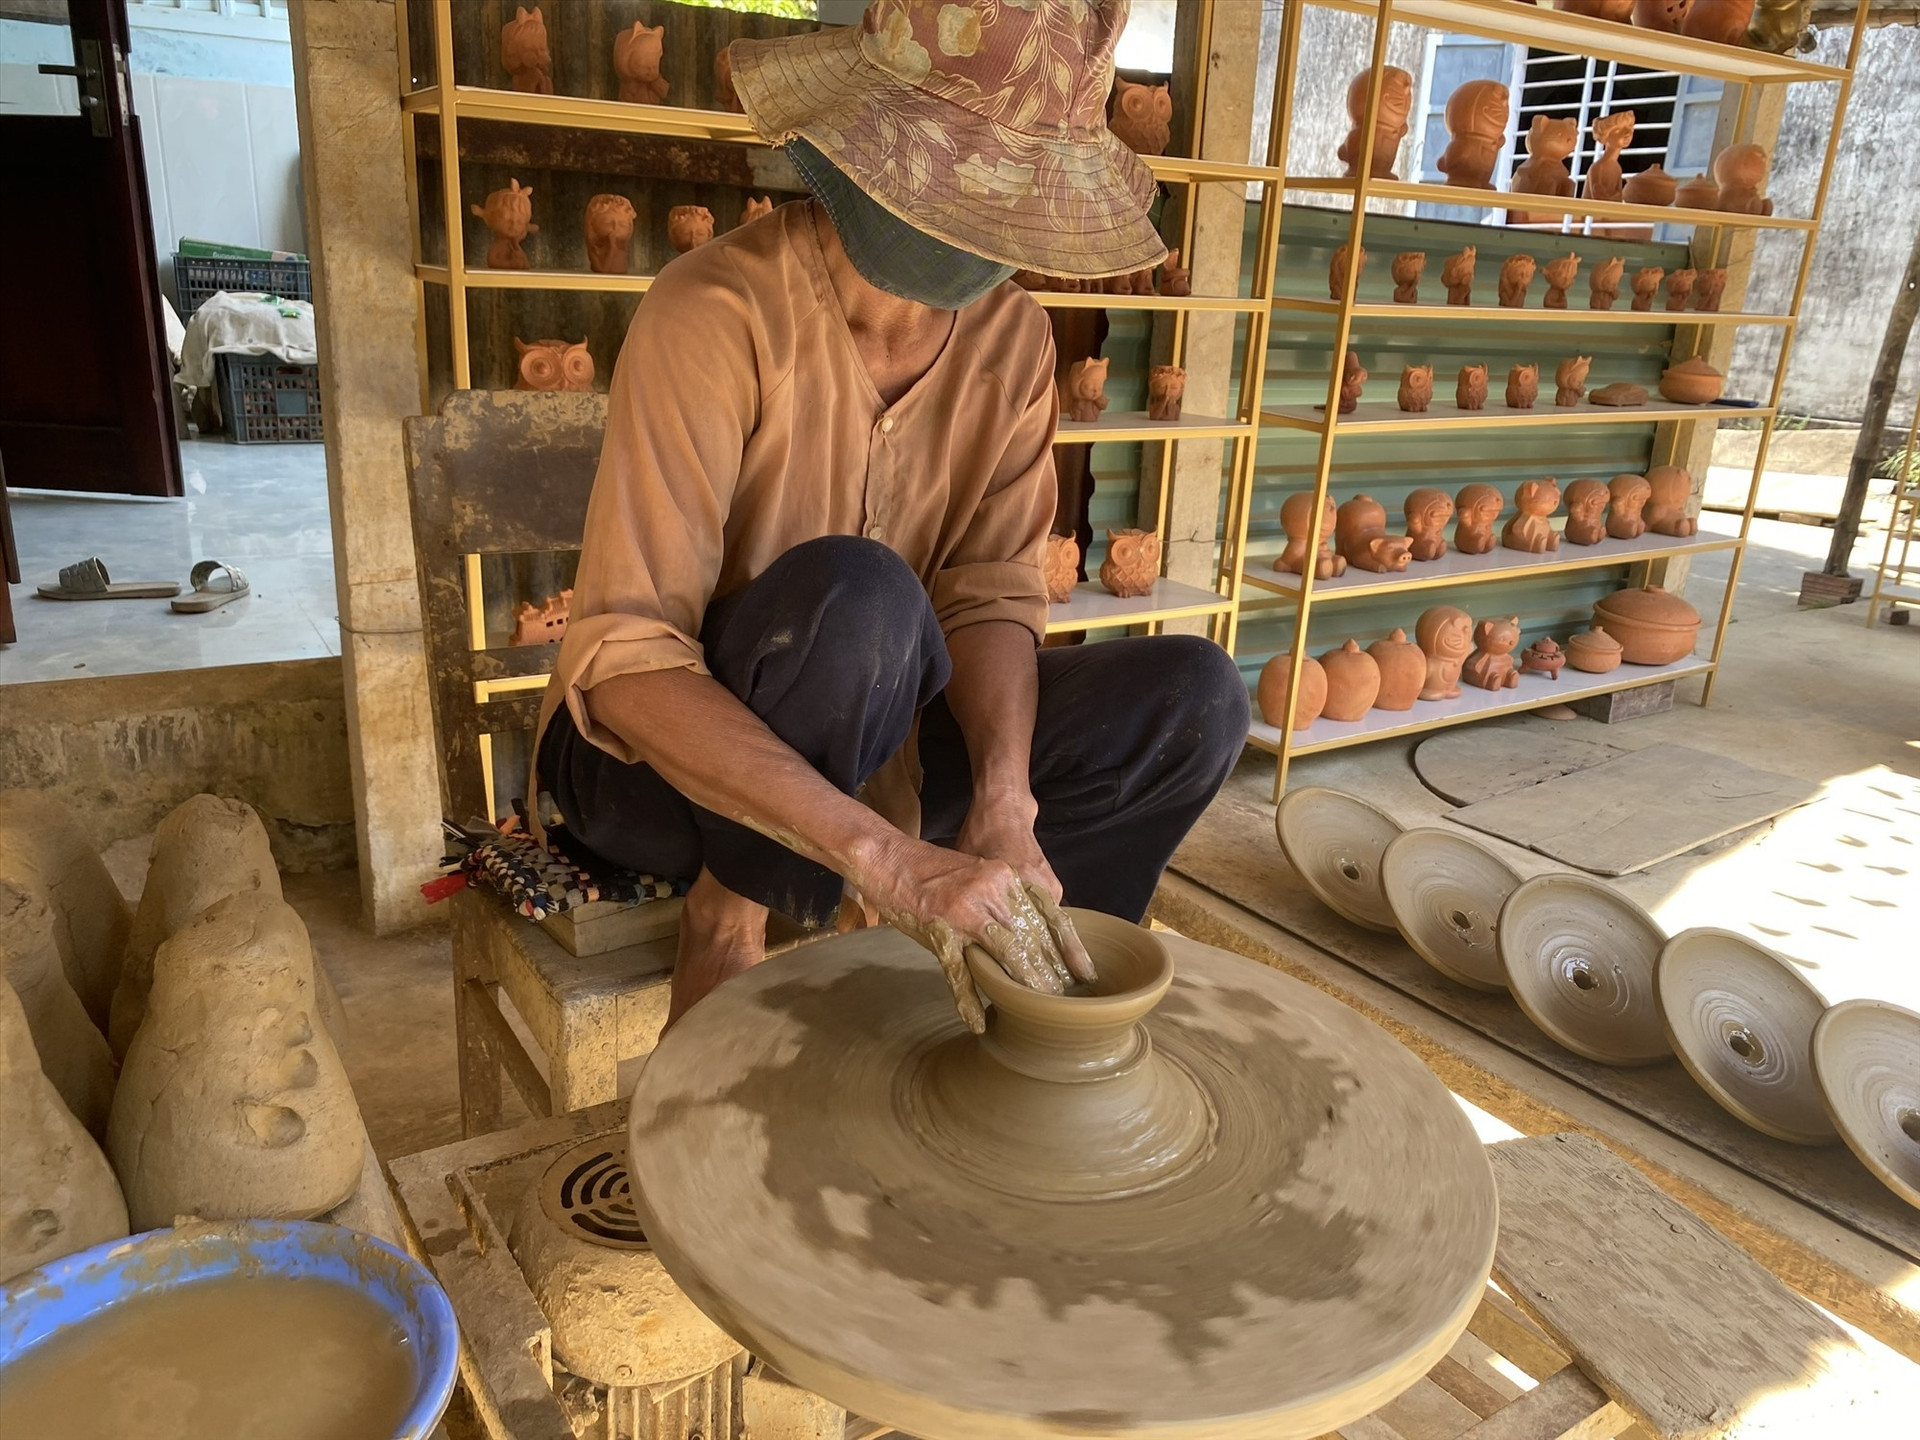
540, 880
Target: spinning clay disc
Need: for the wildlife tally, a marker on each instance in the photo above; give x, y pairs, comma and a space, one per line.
1335, 841
1180, 1205
1580, 959
1446, 893
1741, 1020
1866, 1057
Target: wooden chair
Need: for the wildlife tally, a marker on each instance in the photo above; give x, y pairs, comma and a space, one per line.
500, 473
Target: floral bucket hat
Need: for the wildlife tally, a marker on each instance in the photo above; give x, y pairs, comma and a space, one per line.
982, 124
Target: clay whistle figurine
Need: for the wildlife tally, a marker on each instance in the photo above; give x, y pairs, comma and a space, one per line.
1586, 513
1779, 26
1061, 568
1416, 388
1296, 514
1627, 496
524, 54
636, 60
1491, 664
542, 624
553, 365
1403, 671
1476, 117
1646, 284
1142, 118
1523, 387
1353, 682
1457, 276
609, 228
1612, 133
1670, 488
1544, 171
1679, 288
1741, 170
755, 209
1560, 277
1337, 273
1515, 276
1724, 22
1175, 279
1083, 392
1445, 637
1708, 287
1570, 380
1353, 379
1132, 563
1470, 390
1360, 534
724, 95
1666, 16
688, 226
1427, 511
1408, 266
1528, 531
1477, 507
1543, 657
1389, 123
1603, 285
1166, 386
1275, 680
509, 215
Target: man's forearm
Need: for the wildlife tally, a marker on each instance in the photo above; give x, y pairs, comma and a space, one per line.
994, 695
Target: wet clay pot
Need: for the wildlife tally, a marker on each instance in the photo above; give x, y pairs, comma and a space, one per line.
1446, 639
1271, 693
1692, 382
1403, 671
1652, 626
1593, 651
1353, 682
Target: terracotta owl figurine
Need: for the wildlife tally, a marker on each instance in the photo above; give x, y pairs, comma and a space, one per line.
542, 624
1427, 511
1544, 171
509, 215
1061, 568
1570, 380
1529, 530
1389, 125
524, 53
609, 233
1166, 386
1337, 273
1516, 274
636, 60
1491, 665
1586, 513
1142, 116
1470, 390
1083, 391
1132, 563
1457, 276
1523, 387
1353, 379
1708, 287
1476, 118
1416, 388
1560, 275
1408, 266
1646, 284
688, 226
1627, 496
553, 365
724, 95
1605, 180
1603, 285
1680, 288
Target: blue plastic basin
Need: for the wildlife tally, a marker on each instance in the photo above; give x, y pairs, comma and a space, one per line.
44, 1302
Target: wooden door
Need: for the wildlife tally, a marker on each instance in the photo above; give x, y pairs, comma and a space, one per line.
84, 376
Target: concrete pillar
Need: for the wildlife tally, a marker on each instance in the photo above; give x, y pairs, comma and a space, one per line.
346, 85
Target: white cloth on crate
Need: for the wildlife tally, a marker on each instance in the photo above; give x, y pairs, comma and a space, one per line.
246, 323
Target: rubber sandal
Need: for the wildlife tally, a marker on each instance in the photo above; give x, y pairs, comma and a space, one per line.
214, 584
88, 580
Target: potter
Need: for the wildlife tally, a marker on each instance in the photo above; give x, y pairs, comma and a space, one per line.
727, 510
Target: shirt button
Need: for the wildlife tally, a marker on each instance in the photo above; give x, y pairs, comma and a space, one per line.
876, 531
886, 424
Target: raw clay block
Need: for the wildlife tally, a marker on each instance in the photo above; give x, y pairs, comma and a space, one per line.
72, 1052
41, 842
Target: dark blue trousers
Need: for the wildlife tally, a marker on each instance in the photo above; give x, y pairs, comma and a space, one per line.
836, 647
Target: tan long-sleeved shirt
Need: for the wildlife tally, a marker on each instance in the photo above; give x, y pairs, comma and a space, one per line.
741, 422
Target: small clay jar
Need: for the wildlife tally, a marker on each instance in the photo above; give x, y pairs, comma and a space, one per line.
1724, 22
1445, 635
1470, 390
1427, 511
1271, 692
1457, 276
1360, 534
1337, 273
1490, 666
1477, 506
1692, 382
1603, 285
1543, 657
1697, 193
1560, 274
1523, 387
1132, 563
1627, 496
1353, 682
1652, 186
1403, 671
1586, 513
1416, 388
1666, 511
1408, 266
1593, 651
1516, 274
1061, 568
1570, 380
1296, 514
1666, 16
1646, 284
1652, 626
1529, 531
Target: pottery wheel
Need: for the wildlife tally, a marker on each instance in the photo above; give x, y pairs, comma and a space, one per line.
1335, 841
1446, 893
829, 1170
1580, 960
1866, 1054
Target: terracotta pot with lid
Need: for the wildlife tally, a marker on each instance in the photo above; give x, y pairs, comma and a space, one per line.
1692, 382
1593, 651
1653, 627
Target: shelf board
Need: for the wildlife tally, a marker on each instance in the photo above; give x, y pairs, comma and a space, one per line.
483, 279
1376, 417
1570, 34
1134, 425
1071, 300
1548, 204
1453, 568
1472, 703
1093, 608
1621, 315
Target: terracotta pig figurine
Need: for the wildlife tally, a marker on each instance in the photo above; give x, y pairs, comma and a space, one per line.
509, 215
1132, 563
1083, 393
1603, 285
1142, 117
1586, 512
1360, 532
609, 228
1166, 386
553, 365
1476, 118
1523, 387
1477, 507
1175, 278
1408, 266
1646, 284
1427, 511
1337, 272
724, 95
1612, 133
1470, 390
1741, 170
1295, 518
1570, 380
1061, 568
1353, 378
542, 624
1708, 288
688, 226
1560, 276
1627, 496
1544, 171
1416, 388
524, 53
1666, 513
636, 60
1679, 288
1389, 123
1457, 276
1528, 531
1445, 635
1515, 276
1491, 664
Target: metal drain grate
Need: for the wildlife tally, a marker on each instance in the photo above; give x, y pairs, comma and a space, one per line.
585, 1193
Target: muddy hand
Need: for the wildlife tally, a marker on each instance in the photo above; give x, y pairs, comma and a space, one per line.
1066, 939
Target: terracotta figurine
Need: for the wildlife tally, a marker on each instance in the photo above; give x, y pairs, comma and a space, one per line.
1477, 127
1142, 116
688, 226
1666, 512
1360, 534
1416, 388
1627, 496
1457, 276
1662, 15
1619, 11
1646, 284
1593, 651
1570, 380
1295, 516
1586, 512
1061, 568
1272, 691
1516, 274
1698, 192
1560, 276
509, 215
1679, 288
1083, 392
754, 209
1708, 288
1445, 635
1724, 22
1779, 25
1528, 531
1403, 671
1389, 122
1427, 511
1544, 171
1408, 266
524, 53
1470, 390
553, 365
1604, 283
724, 95
1477, 507
1353, 682
1604, 180
1543, 657
1692, 382
636, 60
609, 234
1337, 273
1741, 171
1652, 186
1166, 386
1620, 393
1353, 379
542, 624
1175, 278
1523, 387
1132, 563
1491, 664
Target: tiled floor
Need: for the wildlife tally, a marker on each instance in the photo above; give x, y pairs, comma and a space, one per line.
262, 507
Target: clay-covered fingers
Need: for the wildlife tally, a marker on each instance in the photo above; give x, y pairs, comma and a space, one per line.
951, 954
1026, 955
1066, 939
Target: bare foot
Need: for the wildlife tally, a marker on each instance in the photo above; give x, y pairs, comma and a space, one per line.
721, 934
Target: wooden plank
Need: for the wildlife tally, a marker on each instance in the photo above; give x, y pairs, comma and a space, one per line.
1679, 1326
603, 925
1425, 1411
505, 1046
1466, 1387
1567, 1407
1504, 1328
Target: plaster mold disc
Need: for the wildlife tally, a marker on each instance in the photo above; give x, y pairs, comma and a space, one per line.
617, 1318
1866, 1057
1741, 1020
1580, 960
1335, 841
1108, 1215
1446, 893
